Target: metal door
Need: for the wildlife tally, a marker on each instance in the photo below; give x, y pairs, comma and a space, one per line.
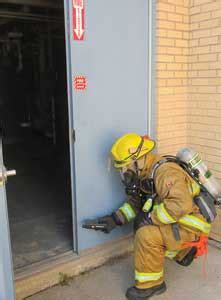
6, 267
115, 58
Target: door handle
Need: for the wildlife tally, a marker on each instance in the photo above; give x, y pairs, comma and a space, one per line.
10, 172
4, 174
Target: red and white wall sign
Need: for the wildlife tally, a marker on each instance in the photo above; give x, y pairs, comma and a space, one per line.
80, 83
78, 20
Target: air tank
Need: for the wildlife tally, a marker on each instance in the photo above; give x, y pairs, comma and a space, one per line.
206, 177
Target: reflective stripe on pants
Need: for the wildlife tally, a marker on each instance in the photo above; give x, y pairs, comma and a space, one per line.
144, 277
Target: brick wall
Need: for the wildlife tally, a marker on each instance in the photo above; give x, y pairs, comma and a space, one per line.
189, 78
172, 73
204, 105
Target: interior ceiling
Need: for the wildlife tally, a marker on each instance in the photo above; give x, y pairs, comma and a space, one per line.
35, 3
31, 10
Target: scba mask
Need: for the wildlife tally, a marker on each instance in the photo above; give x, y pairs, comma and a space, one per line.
131, 182
135, 186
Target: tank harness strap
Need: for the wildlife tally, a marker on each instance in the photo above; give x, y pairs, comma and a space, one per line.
176, 231
156, 166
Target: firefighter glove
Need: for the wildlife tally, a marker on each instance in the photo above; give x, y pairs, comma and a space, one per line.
142, 219
109, 223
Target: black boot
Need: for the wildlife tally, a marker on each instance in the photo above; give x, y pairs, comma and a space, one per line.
134, 293
188, 259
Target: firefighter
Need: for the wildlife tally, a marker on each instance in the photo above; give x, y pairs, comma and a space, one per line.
167, 225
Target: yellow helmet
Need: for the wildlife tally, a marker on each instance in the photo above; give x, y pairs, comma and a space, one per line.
130, 147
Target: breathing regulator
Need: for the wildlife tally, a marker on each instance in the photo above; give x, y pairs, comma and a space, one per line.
136, 186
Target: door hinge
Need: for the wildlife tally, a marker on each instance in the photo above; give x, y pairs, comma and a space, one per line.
73, 136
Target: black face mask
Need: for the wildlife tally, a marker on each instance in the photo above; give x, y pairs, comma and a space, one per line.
135, 186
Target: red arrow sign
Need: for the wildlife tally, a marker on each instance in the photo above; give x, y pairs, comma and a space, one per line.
78, 20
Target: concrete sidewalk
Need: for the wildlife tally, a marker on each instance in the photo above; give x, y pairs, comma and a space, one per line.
111, 281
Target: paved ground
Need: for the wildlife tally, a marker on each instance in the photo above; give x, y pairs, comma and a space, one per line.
111, 281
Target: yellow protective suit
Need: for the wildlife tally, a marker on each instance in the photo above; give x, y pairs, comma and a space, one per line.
174, 204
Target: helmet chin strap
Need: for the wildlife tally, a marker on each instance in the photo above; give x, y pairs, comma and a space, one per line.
136, 168
139, 165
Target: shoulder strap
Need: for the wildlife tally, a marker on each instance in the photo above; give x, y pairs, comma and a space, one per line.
166, 159
192, 173
155, 167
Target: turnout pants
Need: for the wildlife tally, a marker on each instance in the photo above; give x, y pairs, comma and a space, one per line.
152, 244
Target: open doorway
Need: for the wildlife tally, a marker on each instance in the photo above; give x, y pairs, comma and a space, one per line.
34, 110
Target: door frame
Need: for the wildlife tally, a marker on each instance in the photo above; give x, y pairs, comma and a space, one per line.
6, 265
70, 94
151, 105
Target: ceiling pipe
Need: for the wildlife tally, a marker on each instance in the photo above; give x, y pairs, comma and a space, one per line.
29, 17
37, 3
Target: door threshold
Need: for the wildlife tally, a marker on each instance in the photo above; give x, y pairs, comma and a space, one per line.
40, 276
31, 269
